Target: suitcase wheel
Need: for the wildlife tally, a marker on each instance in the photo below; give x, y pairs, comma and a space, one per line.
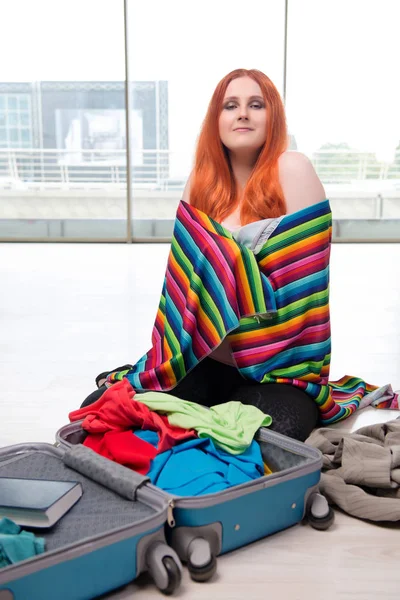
321, 515
174, 575
201, 562
164, 567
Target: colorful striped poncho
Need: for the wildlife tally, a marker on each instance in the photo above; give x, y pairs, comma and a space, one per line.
273, 306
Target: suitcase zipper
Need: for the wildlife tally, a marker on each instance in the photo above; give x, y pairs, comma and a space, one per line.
170, 513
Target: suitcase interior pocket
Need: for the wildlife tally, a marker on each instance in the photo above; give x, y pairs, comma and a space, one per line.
279, 458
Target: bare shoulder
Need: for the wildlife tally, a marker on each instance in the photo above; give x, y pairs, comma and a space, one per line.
292, 159
300, 183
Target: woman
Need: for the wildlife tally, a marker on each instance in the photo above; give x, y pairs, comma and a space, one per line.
244, 311
248, 167
242, 159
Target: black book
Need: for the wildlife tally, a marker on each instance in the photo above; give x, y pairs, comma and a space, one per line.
37, 503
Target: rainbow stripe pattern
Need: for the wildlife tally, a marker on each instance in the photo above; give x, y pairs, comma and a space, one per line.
273, 306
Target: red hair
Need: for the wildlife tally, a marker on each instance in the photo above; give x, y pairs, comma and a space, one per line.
213, 188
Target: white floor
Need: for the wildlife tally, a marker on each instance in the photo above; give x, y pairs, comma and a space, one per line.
69, 311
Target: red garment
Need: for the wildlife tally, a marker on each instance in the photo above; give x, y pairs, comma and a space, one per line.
124, 448
117, 410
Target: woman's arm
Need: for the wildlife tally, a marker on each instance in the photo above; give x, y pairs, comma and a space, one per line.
300, 184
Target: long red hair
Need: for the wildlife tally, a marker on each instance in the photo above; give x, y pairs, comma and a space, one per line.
213, 188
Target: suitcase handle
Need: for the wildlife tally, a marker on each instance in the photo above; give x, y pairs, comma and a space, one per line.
102, 470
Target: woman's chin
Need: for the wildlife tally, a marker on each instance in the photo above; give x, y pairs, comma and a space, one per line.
244, 147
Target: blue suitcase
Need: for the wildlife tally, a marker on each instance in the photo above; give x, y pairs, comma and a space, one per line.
200, 528
112, 534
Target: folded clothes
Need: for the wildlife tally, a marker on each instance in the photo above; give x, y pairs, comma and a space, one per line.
231, 425
116, 411
198, 467
17, 544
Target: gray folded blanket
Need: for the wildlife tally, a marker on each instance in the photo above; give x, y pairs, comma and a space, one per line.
361, 470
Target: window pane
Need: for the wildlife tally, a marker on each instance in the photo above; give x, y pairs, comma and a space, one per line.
173, 84
12, 119
12, 102
23, 102
343, 108
65, 107
13, 133
24, 119
25, 135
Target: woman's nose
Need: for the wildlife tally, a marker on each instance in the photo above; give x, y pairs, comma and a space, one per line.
243, 114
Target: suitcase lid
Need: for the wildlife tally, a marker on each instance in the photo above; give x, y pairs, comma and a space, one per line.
150, 515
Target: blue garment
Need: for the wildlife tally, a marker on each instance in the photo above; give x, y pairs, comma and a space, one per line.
16, 544
198, 467
148, 436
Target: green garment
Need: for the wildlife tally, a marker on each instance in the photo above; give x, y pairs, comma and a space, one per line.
16, 544
231, 425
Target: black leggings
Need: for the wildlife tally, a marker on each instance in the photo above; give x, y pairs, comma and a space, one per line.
293, 412
211, 382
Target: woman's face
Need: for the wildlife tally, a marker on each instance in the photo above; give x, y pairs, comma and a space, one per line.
243, 118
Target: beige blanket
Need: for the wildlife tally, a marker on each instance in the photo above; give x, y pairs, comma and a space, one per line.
361, 470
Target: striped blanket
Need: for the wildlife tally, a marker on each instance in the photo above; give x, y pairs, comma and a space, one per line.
273, 305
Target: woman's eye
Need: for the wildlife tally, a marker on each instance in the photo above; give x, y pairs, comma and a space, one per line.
253, 105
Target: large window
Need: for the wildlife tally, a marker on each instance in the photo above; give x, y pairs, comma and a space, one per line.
15, 121
187, 48
343, 108
64, 167
62, 121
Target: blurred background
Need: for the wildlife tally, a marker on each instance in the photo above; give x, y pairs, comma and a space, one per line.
76, 76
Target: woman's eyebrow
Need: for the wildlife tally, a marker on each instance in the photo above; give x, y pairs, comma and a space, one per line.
251, 98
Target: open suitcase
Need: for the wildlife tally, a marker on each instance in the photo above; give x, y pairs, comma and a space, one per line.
202, 527
115, 531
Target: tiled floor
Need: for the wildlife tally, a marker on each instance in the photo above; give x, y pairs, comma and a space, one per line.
69, 311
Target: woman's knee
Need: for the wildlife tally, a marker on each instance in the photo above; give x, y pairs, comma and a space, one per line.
94, 396
293, 412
